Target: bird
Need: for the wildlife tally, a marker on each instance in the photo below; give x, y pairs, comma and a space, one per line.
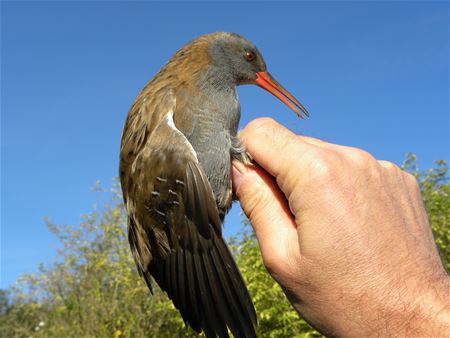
179, 139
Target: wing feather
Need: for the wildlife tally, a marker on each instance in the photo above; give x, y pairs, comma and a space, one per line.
175, 233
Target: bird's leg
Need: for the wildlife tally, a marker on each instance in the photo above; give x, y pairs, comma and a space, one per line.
238, 151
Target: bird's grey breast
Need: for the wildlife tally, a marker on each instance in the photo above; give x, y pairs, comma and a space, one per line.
214, 117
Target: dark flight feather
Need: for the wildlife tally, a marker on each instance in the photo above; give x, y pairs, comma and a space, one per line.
175, 235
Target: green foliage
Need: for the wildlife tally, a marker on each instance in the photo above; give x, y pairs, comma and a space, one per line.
93, 290
276, 316
435, 188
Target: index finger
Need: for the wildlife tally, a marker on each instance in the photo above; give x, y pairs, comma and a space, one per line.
275, 148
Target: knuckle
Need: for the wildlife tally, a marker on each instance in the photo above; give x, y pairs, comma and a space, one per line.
261, 122
312, 140
411, 181
388, 165
268, 131
322, 166
361, 158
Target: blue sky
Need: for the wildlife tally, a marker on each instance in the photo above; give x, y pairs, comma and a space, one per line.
373, 75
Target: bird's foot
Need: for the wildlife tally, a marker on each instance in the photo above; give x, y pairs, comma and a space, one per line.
239, 153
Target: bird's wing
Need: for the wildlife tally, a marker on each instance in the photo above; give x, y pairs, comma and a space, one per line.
175, 235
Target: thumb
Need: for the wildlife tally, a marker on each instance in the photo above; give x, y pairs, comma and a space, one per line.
267, 210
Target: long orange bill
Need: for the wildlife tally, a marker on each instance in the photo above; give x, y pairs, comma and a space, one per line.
267, 82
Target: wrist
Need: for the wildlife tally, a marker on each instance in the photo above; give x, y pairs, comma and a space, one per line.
432, 315
422, 312
403, 309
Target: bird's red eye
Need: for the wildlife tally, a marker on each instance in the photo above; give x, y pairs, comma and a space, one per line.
250, 56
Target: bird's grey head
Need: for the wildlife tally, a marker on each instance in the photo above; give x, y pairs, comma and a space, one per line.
235, 56
220, 61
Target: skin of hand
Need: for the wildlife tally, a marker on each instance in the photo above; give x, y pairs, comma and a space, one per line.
346, 236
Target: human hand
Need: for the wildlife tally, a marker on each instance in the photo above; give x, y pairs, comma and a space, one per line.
346, 236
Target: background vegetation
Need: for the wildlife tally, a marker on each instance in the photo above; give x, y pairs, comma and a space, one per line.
93, 290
